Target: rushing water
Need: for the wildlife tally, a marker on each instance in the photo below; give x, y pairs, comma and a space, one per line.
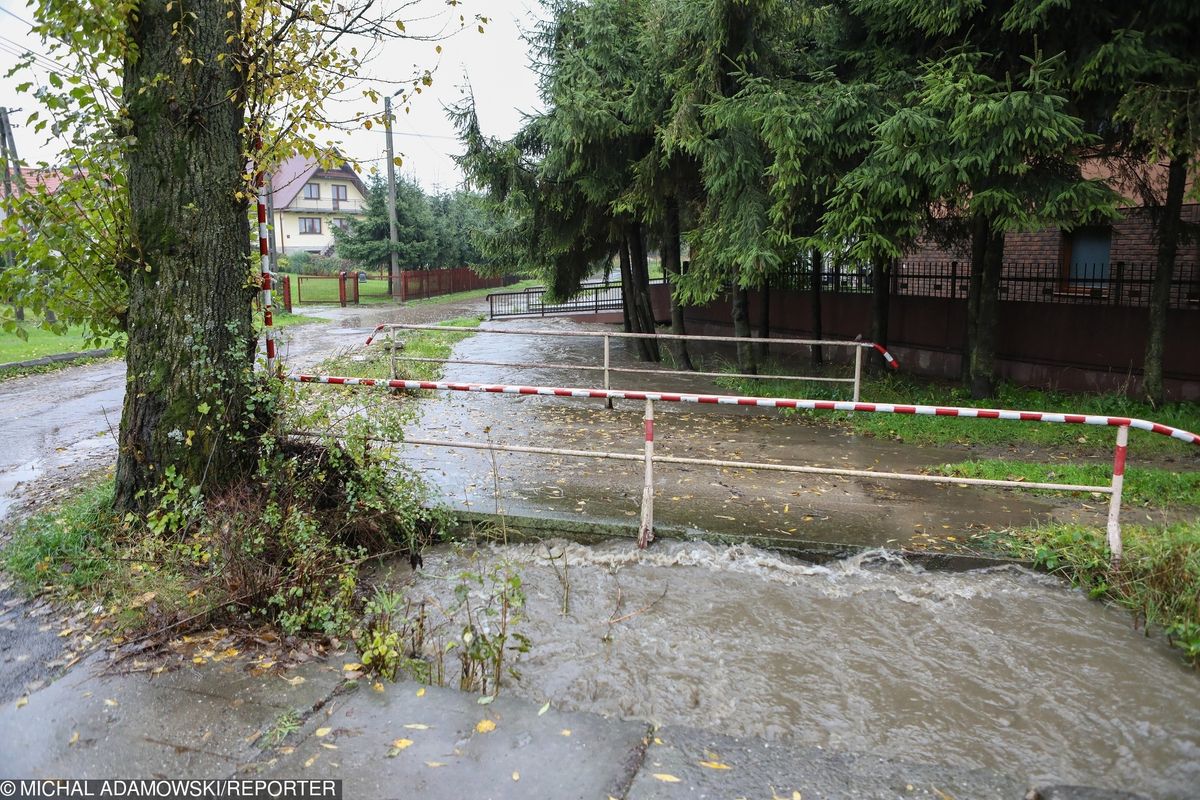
1003, 669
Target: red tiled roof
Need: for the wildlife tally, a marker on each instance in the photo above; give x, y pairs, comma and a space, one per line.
49, 179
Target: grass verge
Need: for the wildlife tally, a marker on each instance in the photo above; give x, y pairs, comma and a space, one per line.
1144, 486
951, 430
40, 342
1158, 579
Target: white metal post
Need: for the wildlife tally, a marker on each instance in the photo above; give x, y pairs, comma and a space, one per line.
608, 403
1114, 502
646, 531
858, 353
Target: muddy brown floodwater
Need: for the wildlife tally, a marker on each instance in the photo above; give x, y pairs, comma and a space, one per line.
1003, 669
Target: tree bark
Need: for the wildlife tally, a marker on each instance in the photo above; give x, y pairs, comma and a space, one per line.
1168, 224
764, 320
987, 313
741, 329
880, 308
642, 307
979, 240
191, 342
626, 285
818, 356
672, 269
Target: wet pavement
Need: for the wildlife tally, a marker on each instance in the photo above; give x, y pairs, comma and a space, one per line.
725, 500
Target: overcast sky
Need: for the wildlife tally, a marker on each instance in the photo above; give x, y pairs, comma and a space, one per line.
495, 63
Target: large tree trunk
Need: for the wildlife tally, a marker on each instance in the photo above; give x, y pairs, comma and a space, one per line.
741, 329
987, 315
672, 269
191, 343
818, 357
1168, 225
880, 307
642, 307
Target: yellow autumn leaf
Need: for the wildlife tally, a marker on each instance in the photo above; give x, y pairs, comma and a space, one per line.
665, 778
421, 692
310, 762
21, 703
296, 681
434, 764
485, 726
74, 738
417, 726
565, 732
111, 703
377, 686
713, 765
352, 668
516, 776
323, 732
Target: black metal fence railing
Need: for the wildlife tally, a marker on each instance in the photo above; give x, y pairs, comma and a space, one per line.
594, 298
1114, 284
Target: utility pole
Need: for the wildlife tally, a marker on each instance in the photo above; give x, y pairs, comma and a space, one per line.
8, 153
394, 287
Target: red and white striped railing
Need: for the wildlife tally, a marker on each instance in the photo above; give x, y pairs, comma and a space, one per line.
264, 255
645, 533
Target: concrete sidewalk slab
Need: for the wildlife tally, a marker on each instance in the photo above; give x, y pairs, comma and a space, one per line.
412, 741
185, 724
683, 762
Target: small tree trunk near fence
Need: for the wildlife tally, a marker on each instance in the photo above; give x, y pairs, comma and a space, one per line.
880, 306
191, 342
643, 307
974, 288
818, 357
672, 269
1167, 225
741, 328
764, 320
626, 285
987, 316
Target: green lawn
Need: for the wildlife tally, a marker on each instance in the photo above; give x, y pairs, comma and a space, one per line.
951, 430
1144, 486
42, 343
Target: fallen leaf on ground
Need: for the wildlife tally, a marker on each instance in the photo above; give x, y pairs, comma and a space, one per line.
565, 732
111, 703
665, 778
398, 745
421, 692
713, 764
417, 726
543, 709
310, 762
485, 726
322, 732
434, 764
516, 776
352, 667
295, 681
74, 738
22, 702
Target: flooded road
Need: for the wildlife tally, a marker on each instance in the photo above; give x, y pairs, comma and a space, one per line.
62, 424
1001, 669
742, 502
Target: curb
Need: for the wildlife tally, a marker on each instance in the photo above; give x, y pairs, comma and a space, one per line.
530, 529
57, 358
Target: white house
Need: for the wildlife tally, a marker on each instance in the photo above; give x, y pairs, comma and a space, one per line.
309, 201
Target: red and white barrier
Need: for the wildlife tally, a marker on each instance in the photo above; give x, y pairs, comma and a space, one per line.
888, 357
763, 402
264, 254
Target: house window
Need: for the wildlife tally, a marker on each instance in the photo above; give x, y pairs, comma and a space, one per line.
310, 224
339, 191
312, 191
1088, 256
340, 222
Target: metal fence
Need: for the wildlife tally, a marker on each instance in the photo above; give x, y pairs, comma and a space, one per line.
592, 298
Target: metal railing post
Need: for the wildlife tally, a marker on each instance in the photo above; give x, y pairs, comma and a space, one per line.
392, 348
858, 355
646, 530
1114, 501
608, 402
